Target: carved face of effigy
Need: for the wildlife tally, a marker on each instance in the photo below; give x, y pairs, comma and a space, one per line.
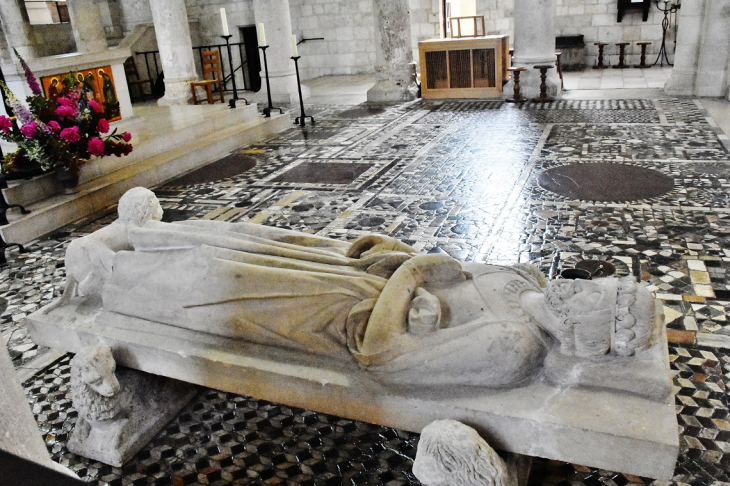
139, 205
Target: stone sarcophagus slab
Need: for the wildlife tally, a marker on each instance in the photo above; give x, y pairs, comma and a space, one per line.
371, 330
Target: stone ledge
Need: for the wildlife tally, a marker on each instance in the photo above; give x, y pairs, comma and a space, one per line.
613, 431
96, 195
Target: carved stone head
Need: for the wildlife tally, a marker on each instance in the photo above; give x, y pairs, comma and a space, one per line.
94, 385
139, 205
600, 316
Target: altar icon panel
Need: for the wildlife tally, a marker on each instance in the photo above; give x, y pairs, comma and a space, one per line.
96, 84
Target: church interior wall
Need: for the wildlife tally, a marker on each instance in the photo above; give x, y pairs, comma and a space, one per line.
348, 29
54, 39
594, 19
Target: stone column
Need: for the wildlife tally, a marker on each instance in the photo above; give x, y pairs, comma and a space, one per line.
276, 17
689, 35
534, 44
176, 50
87, 25
393, 52
703, 47
17, 29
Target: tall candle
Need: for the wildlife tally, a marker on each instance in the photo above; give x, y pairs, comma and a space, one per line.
294, 50
262, 35
224, 21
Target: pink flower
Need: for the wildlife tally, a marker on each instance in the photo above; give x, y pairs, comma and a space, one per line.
63, 101
30, 130
5, 124
126, 136
96, 107
71, 134
54, 126
96, 147
65, 111
103, 126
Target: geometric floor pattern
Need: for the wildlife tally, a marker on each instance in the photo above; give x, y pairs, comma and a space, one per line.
458, 177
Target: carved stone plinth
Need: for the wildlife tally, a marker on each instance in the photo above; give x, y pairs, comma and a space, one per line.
120, 412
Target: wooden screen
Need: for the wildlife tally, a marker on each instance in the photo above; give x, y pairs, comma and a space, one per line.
461, 68
438, 77
484, 72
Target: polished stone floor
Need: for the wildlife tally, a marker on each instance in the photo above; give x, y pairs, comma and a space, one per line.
460, 177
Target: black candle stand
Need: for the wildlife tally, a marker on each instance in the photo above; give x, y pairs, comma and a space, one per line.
665, 26
267, 110
232, 101
300, 120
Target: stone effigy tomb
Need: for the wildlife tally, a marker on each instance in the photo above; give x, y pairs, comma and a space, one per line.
374, 331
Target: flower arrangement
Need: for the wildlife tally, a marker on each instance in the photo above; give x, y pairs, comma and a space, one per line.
61, 133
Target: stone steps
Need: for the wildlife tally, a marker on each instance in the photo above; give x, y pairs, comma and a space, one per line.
161, 153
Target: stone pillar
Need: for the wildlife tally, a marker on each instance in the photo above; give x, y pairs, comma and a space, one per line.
276, 17
689, 36
87, 25
176, 50
393, 52
17, 29
534, 44
703, 47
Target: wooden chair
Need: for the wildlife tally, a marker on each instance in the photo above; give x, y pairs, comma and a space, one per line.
211, 61
133, 79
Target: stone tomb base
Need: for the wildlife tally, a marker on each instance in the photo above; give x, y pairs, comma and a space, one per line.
609, 430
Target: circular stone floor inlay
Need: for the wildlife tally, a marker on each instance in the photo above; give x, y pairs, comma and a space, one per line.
605, 182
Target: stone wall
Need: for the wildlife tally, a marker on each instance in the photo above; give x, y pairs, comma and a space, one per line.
348, 29
594, 19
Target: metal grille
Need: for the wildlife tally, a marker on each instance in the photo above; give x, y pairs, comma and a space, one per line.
436, 70
484, 68
460, 68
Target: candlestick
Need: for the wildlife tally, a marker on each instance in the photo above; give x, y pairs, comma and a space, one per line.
224, 21
302, 116
665, 26
294, 50
262, 35
267, 110
232, 101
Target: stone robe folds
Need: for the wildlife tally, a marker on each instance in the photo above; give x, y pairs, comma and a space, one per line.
297, 295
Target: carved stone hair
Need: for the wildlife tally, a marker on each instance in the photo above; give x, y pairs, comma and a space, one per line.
90, 404
453, 454
630, 330
136, 206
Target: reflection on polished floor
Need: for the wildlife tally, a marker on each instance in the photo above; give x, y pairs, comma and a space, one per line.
460, 177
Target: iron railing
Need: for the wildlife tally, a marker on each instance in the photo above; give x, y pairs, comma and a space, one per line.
151, 60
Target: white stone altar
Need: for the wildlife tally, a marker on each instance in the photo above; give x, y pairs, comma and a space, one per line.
373, 331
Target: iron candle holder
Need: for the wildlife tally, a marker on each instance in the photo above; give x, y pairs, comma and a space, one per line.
232, 101
300, 120
267, 110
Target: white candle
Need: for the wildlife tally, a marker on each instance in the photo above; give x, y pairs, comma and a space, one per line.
224, 21
262, 35
294, 50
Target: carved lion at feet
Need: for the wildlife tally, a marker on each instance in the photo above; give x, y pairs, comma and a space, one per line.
95, 389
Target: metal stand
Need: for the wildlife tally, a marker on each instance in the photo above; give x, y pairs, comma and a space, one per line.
232, 101
665, 26
300, 120
267, 110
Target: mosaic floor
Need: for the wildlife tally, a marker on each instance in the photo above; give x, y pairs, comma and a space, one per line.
454, 177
